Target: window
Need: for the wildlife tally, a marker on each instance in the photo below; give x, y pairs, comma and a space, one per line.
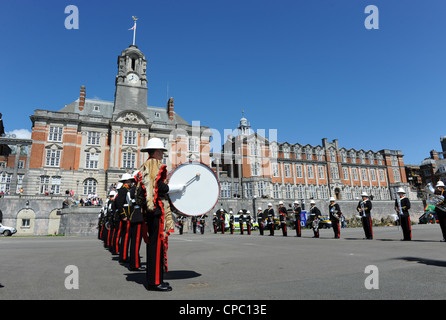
289, 194
287, 170
310, 171
308, 154
343, 156
319, 155
128, 160
334, 171
276, 191
321, 172
93, 137
55, 185
255, 168
396, 174
353, 156
50, 185
194, 145
299, 171
19, 183
129, 137
312, 192
225, 190
300, 191
333, 155
275, 169
96, 108
324, 192
394, 160
373, 174
55, 134
52, 158
345, 172
21, 164
248, 190
298, 153
362, 158
364, 174
274, 151
91, 160
355, 173
5, 182
261, 188
90, 186
381, 175
26, 223
286, 152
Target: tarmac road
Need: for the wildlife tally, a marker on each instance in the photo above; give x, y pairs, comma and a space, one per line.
235, 267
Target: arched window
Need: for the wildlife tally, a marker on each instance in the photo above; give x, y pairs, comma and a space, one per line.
90, 186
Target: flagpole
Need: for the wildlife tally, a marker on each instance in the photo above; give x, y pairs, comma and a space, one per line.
134, 29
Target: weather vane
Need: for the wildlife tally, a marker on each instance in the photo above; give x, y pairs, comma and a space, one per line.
134, 28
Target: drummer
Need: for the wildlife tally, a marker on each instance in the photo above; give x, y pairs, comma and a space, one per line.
152, 197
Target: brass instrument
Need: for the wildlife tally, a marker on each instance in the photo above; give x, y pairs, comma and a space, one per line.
362, 213
435, 199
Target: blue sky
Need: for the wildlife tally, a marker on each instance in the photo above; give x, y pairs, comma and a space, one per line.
309, 69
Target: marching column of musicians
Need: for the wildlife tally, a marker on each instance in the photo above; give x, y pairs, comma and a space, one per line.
139, 209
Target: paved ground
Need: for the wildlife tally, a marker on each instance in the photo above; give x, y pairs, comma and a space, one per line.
235, 267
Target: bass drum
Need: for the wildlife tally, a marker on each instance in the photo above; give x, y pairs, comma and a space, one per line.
201, 192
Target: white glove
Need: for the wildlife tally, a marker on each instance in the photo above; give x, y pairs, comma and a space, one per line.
176, 188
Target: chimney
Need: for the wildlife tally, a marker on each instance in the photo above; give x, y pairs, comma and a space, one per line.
434, 155
82, 99
170, 108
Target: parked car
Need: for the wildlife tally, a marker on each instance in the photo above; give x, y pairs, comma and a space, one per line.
7, 231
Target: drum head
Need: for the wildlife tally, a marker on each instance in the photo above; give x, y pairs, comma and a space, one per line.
202, 189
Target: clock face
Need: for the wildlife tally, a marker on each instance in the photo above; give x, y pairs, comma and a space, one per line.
133, 78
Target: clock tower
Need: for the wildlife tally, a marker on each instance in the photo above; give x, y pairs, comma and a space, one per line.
131, 81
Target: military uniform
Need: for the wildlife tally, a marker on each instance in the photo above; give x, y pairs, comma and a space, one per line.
123, 208
282, 216
152, 197
335, 215
271, 219
364, 207
260, 221
240, 221
404, 217
202, 223
297, 211
315, 213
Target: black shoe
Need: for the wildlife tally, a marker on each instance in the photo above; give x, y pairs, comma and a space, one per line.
137, 269
161, 287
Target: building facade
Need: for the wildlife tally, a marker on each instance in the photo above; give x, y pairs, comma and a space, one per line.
86, 146
250, 166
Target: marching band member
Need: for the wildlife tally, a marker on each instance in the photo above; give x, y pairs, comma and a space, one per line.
364, 208
152, 196
231, 221
315, 213
282, 215
240, 220
260, 220
271, 219
335, 215
136, 228
440, 209
248, 219
297, 211
402, 206
202, 223
123, 208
